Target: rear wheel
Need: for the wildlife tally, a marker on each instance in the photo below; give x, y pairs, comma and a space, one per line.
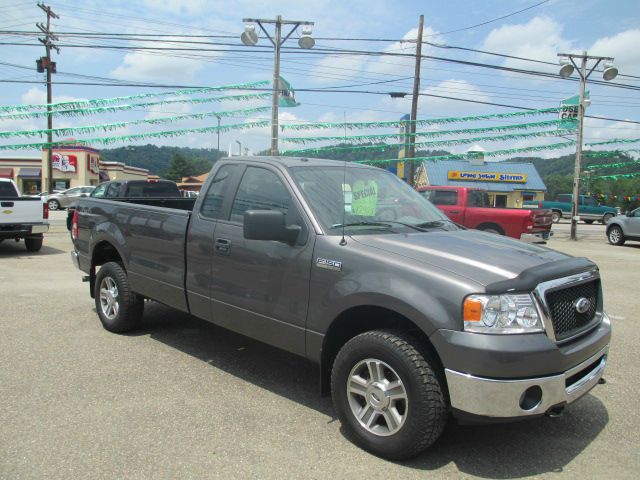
119, 309
388, 394
556, 216
33, 244
615, 236
491, 229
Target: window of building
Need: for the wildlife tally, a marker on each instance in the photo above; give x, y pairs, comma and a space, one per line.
528, 196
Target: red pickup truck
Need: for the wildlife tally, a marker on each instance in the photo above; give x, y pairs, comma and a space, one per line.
471, 208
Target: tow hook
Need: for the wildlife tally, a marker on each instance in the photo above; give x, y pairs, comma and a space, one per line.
602, 381
555, 412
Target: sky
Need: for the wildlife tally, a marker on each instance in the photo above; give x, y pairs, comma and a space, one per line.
539, 33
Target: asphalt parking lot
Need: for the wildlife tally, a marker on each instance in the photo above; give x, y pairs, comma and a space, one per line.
184, 399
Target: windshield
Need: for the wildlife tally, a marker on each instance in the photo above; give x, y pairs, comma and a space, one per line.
365, 201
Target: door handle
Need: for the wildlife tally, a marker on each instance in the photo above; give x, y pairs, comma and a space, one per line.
455, 212
222, 245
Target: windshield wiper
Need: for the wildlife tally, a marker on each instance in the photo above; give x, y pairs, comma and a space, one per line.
361, 224
433, 223
408, 225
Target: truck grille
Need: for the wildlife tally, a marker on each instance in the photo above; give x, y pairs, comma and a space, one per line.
566, 320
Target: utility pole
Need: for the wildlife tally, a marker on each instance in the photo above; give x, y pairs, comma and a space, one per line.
50, 67
250, 38
414, 105
218, 147
609, 73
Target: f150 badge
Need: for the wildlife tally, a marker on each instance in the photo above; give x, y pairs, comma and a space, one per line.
329, 264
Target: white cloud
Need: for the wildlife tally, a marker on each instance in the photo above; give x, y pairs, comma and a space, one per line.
623, 47
157, 68
178, 7
38, 96
539, 39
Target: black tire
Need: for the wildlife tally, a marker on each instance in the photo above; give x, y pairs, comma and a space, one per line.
491, 229
423, 413
615, 235
556, 216
606, 217
33, 244
54, 204
120, 310
588, 222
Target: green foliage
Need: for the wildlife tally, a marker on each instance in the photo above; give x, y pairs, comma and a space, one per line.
156, 159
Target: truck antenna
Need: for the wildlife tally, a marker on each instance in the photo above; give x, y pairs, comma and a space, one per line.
343, 241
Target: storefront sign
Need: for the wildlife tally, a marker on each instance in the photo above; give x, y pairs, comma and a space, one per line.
65, 163
487, 176
93, 165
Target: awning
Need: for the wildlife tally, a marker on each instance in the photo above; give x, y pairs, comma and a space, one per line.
27, 172
6, 172
103, 176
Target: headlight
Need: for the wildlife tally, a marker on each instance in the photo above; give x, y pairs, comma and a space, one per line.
501, 314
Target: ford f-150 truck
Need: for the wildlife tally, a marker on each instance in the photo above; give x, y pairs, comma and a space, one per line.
22, 217
409, 317
589, 210
471, 208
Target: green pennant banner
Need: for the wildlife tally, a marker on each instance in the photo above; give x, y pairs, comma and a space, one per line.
106, 101
439, 143
494, 153
138, 136
609, 153
615, 140
399, 123
117, 108
64, 132
611, 165
434, 133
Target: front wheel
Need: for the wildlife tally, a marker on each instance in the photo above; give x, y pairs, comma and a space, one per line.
53, 204
606, 218
388, 395
615, 236
119, 309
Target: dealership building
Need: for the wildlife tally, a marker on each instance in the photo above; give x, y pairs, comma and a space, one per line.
509, 184
72, 166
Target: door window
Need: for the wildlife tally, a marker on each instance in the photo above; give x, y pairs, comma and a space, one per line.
260, 189
113, 190
212, 205
99, 191
589, 202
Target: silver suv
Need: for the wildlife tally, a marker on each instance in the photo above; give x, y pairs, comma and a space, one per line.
60, 200
624, 227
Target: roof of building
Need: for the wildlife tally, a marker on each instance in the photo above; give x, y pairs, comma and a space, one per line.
437, 174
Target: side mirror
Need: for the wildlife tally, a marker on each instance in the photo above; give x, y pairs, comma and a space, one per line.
269, 225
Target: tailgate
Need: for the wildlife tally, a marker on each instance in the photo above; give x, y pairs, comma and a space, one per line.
21, 210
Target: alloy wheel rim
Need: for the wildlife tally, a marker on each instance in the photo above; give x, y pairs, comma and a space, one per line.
109, 302
614, 235
377, 397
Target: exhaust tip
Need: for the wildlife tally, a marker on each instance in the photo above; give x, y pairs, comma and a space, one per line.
555, 412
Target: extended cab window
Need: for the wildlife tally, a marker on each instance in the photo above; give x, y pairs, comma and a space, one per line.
260, 189
444, 197
7, 190
478, 199
214, 198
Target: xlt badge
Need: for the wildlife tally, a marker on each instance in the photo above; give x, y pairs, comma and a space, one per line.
329, 264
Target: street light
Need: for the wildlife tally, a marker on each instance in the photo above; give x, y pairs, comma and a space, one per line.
610, 72
239, 147
250, 38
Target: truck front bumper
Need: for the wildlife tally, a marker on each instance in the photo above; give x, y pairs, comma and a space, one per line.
500, 398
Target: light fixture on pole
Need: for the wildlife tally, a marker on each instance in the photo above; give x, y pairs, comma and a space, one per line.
250, 38
566, 68
306, 40
609, 73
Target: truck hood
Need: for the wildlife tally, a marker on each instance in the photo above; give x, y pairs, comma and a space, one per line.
481, 257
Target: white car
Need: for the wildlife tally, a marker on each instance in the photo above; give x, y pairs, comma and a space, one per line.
624, 227
60, 200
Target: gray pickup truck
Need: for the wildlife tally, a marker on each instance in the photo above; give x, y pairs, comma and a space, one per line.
409, 317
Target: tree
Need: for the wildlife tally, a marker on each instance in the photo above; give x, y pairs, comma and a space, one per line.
179, 166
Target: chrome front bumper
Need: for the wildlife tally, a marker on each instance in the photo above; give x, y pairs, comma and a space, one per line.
495, 398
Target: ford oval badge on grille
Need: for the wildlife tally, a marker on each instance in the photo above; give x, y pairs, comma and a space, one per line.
582, 305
